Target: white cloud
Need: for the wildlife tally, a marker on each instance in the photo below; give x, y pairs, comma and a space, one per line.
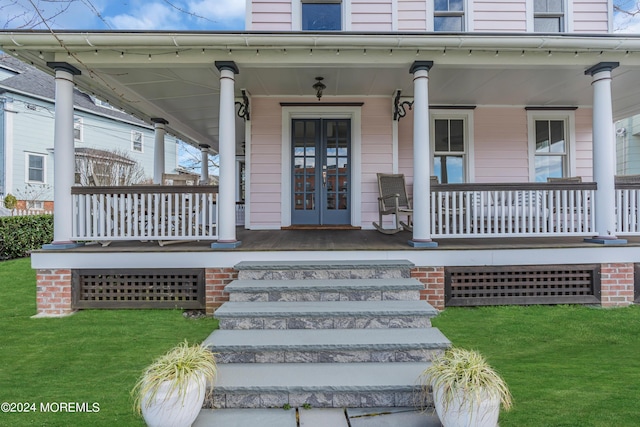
221, 11
150, 16
623, 23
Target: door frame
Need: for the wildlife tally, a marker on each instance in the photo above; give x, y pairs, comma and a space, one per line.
351, 112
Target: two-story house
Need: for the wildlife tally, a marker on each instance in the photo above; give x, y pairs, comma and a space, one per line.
111, 147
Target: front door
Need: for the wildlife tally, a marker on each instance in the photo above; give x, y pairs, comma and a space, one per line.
321, 175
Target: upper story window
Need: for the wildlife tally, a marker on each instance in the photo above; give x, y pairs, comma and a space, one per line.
35, 168
548, 16
321, 15
137, 141
448, 15
78, 134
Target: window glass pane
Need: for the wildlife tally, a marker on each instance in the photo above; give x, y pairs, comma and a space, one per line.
540, 6
542, 136
36, 168
36, 162
557, 136
456, 138
456, 5
447, 23
546, 25
321, 16
441, 5
449, 169
549, 167
442, 135
554, 5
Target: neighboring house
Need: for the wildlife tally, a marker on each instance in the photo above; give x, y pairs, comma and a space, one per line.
110, 145
628, 146
315, 99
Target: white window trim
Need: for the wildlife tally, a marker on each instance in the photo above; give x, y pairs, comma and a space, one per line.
569, 118
467, 19
296, 15
567, 24
80, 121
133, 132
26, 167
467, 117
320, 112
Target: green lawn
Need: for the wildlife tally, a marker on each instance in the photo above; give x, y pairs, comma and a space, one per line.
566, 366
92, 356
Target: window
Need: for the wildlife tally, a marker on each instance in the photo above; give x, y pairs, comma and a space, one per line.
448, 15
35, 168
548, 16
137, 139
77, 129
322, 15
449, 150
550, 149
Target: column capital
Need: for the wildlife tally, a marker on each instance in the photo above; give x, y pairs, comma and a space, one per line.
420, 65
601, 66
64, 66
227, 65
204, 146
159, 120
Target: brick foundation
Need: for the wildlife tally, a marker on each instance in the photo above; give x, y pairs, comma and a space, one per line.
216, 279
616, 284
53, 293
433, 280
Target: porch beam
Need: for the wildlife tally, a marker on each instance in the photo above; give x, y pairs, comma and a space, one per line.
158, 149
226, 221
421, 157
63, 157
604, 162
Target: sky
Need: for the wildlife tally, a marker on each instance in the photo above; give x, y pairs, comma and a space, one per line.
166, 14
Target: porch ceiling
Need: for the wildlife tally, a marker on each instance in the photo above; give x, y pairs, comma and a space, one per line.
181, 84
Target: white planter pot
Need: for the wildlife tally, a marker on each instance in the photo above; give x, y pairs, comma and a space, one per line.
167, 409
460, 412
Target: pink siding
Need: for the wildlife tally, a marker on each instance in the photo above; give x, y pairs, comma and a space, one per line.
590, 16
584, 145
499, 15
412, 15
371, 15
271, 15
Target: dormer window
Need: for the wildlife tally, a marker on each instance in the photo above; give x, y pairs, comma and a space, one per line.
448, 15
548, 16
321, 15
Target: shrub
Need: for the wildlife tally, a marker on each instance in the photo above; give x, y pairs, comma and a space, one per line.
10, 202
21, 234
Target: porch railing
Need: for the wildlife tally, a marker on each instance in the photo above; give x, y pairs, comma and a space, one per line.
522, 209
146, 212
628, 209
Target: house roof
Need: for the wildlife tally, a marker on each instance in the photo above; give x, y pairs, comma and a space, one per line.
33, 82
172, 75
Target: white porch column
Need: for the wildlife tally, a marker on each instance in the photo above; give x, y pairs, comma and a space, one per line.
158, 149
63, 157
227, 158
421, 157
204, 169
604, 162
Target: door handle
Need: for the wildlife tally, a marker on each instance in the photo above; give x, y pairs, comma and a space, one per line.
324, 176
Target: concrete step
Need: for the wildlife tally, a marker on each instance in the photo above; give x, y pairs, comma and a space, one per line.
278, 270
325, 315
321, 385
326, 345
325, 290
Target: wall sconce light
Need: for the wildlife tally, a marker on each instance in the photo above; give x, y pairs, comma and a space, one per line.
319, 87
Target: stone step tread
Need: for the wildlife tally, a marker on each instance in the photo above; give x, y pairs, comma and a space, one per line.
323, 285
323, 265
283, 309
318, 377
326, 340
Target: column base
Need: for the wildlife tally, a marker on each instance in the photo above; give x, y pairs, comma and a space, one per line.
226, 245
61, 245
606, 241
423, 243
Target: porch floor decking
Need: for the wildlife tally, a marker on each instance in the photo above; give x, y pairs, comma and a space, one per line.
345, 240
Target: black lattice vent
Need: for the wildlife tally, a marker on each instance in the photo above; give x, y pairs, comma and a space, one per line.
141, 288
522, 285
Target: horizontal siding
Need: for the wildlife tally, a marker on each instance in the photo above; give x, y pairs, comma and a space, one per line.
271, 15
371, 15
584, 144
590, 16
412, 15
499, 15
